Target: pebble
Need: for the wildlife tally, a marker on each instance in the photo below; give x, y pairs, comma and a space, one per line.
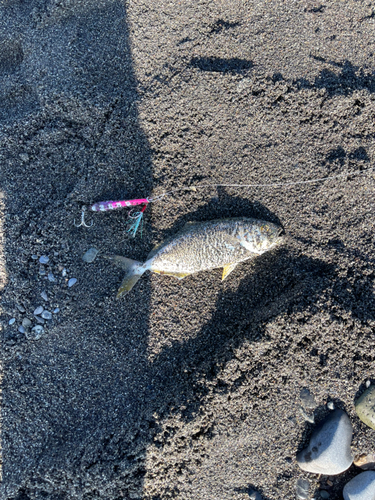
11, 321
306, 416
42, 271
34, 257
243, 84
51, 277
90, 255
362, 487
38, 310
26, 323
35, 333
44, 296
39, 320
46, 315
365, 462
21, 329
64, 272
324, 494
307, 399
368, 383
329, 450
255, 495
44, 259
330, 405
302, 489
365, 407
57, 310
72, 282
20, 308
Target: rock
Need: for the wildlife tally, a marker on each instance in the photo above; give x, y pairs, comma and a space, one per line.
20, 308
44, 259
90, 255
46, 315
365, 462
362, 487
307, 399
329, 450
34, 257
302, 489
26, 323
330, 405
51, 277
72, 282
38, 310
35, 333
39, 320
324, 494
42, 271
306, 416
56, 310
21, 329
11, 321
365, 407
44, 296
64, 272
255, 495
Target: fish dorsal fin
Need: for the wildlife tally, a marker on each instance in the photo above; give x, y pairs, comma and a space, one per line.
227, 270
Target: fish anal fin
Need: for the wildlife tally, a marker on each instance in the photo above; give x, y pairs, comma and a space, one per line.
227, 270
180, 276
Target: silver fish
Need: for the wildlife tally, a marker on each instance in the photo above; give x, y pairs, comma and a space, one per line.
200, 246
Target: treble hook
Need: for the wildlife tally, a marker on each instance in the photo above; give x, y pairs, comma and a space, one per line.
83, 223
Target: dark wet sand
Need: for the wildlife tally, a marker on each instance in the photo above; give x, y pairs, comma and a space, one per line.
186, 389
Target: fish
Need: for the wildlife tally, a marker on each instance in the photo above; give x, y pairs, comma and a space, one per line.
201, 246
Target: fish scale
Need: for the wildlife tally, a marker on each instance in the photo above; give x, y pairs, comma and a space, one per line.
201, 246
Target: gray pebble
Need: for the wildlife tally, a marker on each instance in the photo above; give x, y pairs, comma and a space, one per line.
72, 282
368, 383
57, 310
255, 495
64, 272
34, 257
90, 255
329, 450
44, 296
20, 308
11, 321
362, 487
309, 418
365, 406
324, 494
21, 329
38, 310
35, 333
42, 271
51, 277
44, 259
46, 315
307, 399
39, 320
330, 405
302, 489
26, 323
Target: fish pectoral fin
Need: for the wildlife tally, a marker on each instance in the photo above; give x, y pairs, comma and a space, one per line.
227, 270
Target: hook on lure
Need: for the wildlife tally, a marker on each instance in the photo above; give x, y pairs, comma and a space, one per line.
83, 223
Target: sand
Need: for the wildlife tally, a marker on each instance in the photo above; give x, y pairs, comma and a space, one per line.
185, 389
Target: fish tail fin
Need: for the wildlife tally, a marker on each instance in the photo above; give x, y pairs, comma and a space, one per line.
134, 271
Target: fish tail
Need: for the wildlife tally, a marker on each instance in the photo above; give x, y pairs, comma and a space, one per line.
134, 270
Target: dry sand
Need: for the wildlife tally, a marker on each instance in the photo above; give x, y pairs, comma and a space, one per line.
186, 389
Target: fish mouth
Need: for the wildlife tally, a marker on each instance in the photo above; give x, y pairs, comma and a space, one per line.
280, 236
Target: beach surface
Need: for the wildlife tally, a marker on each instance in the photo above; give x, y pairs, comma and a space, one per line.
188, 389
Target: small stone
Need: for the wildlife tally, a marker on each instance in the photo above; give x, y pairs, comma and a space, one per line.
243, 84
46, 315
26, 323
39, 320
56, 254
330, 405
365, 407
11, 321
255, 495
44, 259
38, 310
64, 272
368, 383
57, 310
90, 255
306, 416
20, 308
307, 399
44, 296
302, 489
72, 282
361, 487
24, 157
34, 257
35, 333
324, 494
51, 277
42, 271
329, 450
365, 462
21, 329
